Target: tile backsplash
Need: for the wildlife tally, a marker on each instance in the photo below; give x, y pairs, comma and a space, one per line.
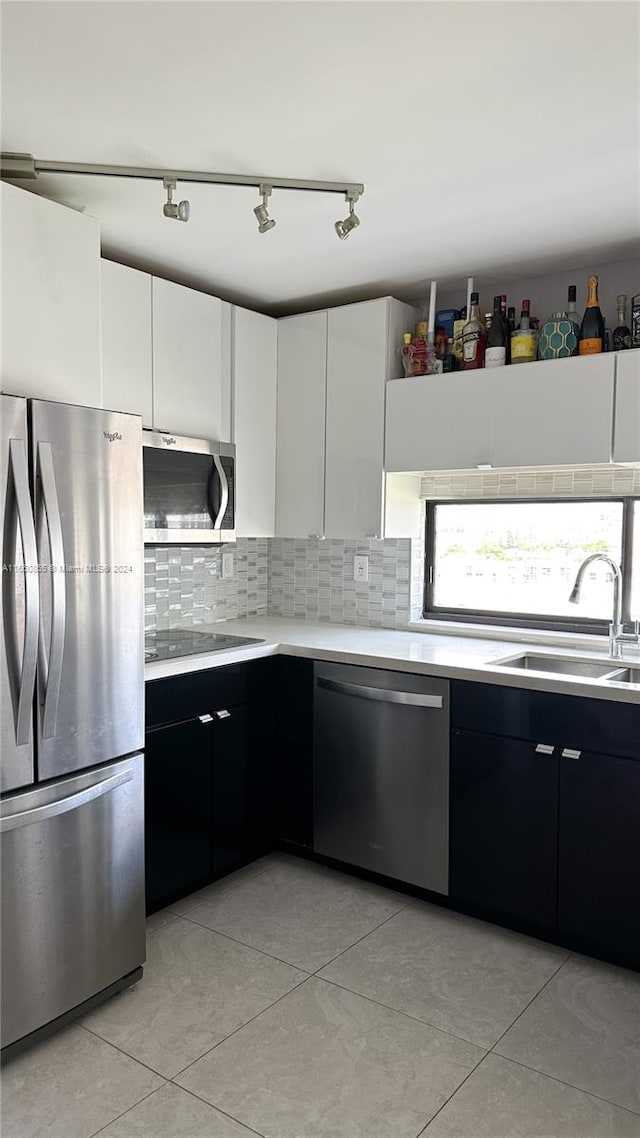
183, 585
565, 482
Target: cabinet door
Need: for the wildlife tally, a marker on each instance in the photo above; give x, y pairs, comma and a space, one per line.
599, 854
626, 427
127, 381
553, 412
230, 825
504, 826
255, 373
437, 422
189, 370
50, 300
293, 757
356, 376
178, 795
300, 449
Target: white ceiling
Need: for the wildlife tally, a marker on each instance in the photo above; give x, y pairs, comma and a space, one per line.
490, 136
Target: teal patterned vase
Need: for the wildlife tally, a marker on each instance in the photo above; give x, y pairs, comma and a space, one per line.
558, 338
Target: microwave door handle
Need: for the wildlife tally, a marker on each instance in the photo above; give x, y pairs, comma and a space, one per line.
224, 499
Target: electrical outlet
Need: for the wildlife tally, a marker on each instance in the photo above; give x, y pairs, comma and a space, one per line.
227, 566
361, 568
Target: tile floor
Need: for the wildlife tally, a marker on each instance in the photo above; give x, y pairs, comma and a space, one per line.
289, 1001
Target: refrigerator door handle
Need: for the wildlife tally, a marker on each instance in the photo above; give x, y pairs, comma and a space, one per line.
63, 805
224, 494
51, 669
22, 679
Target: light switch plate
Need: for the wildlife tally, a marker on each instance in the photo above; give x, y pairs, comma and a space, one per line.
361, 568
227, 566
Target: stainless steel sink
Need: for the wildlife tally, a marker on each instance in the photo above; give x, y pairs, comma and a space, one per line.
563, 666
627, 676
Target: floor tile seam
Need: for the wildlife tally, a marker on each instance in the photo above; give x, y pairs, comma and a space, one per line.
531, 1001
364, 936
127, 1055
564, 1083
95, 1133
245, 944
188, 1091
407, 1015
235, 1031
452, 1095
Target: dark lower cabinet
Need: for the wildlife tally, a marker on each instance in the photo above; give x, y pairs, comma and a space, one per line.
231, 837
504, 826
178, 798
599, 854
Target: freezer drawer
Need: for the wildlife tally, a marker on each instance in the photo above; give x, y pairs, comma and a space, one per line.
381, 772
72, 901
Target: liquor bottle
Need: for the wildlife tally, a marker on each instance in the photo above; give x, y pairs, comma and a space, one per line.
635, 321
496, 350
507, 328
524, 341
592, 327
474, 338
572, 311
486, 320
420, 350
456, 346
621, 334
511, 319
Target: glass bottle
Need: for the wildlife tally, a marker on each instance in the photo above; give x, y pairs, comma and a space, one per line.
592, 327
474, 338
407, 354
496, 350
622, 333
572, 312
524, 341
507, 327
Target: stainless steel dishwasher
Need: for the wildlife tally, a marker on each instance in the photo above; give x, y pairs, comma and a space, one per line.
381, 772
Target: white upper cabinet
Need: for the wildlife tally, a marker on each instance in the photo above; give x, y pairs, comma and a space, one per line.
549, 413
127, 370
50, 300
437, 422
552, 413
255, 373
626, 430
191, 362
302, 386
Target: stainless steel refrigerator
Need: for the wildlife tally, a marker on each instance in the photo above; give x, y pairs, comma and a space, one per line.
71, 711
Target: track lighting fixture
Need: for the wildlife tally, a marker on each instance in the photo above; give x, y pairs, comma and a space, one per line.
265, 223
343, 228
180, 211
15, 167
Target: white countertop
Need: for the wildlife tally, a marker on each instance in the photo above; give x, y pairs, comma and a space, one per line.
456, 657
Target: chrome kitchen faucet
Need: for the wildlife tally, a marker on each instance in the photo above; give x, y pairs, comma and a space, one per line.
616, 635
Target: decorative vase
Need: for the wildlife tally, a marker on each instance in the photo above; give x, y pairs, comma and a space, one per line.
558, 338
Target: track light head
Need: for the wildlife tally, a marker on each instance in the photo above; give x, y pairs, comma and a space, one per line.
344, 227
265, 223
179, 211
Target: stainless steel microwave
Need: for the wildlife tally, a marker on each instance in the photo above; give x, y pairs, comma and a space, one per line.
189, 490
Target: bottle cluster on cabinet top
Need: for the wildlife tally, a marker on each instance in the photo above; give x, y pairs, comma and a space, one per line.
466, 341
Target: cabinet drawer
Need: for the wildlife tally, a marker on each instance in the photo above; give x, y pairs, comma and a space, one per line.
195, 693
564, 720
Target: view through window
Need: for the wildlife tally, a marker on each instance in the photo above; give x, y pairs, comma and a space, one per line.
522, 557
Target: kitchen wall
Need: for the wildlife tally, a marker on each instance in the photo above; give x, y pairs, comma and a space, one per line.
183, 585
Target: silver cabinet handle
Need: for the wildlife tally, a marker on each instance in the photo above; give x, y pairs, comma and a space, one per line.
569, 753
21, 679
224, 500
62, 805
51, 669
223, 714
383, 695
544, 749
205, 718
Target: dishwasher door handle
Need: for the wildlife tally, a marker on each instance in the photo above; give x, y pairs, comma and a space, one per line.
382, 695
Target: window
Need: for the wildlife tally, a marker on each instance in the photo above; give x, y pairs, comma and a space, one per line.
512, 561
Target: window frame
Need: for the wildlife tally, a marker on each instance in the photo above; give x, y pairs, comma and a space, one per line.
543, 622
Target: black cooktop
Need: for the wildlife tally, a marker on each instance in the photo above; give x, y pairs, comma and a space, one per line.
169, 643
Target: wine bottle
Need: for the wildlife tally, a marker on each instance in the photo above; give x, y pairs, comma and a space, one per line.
474, 338
592, 326
496, 350
572, 311
621, 334
524, 341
